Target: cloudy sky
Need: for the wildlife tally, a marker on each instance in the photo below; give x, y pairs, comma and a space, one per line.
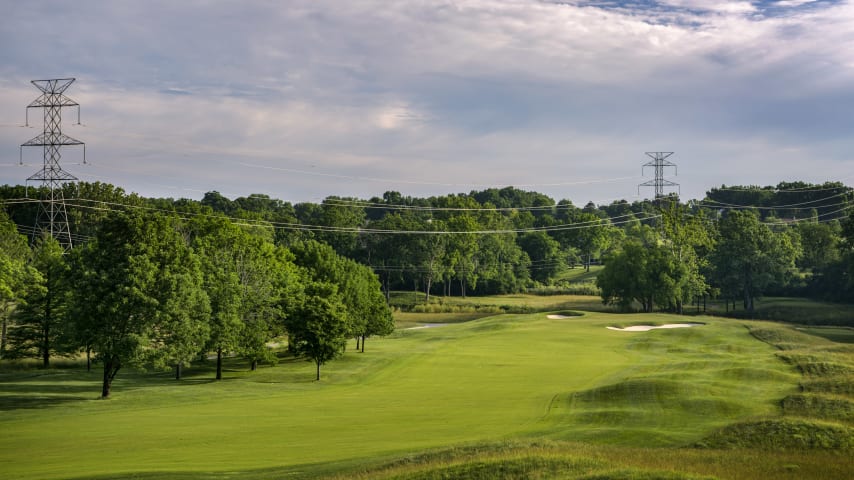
304, 99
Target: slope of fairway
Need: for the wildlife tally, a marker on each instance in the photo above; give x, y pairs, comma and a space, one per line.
489, 379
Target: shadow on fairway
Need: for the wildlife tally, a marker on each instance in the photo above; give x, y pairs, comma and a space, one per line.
24, 394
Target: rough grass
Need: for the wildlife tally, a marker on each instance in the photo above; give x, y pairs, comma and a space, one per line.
800, 311
513, 303
571, 398
783, 434
821, 416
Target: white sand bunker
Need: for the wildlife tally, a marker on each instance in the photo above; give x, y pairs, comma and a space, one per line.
646, 328
558, 317
428, 325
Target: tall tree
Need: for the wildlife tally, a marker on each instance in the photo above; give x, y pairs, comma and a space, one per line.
547, 259
690, 240
248, 280
182, 325
750, 257
130, 283
358, 287
318, 330
14, 273
40, 318
643, 270
820, 244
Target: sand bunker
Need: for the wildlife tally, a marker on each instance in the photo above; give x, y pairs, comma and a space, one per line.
557, 317
645, 328
427, 325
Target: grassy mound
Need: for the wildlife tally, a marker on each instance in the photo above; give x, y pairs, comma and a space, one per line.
519, 468
825, 407
643, 475
782, 434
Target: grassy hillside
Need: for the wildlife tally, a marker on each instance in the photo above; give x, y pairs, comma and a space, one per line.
521, 394
494, 304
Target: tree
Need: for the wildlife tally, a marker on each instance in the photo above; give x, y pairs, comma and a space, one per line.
130, 285
14, 273
181, 323
820, 244
318, 330
547, 259
40, 318
379, 318
365, 308
463, 252
750, 257
689, 240
643, 270
249, 282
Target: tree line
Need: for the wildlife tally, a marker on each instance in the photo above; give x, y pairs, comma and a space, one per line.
159, 290
256, 268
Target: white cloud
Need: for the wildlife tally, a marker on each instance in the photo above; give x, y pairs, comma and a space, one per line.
437, 94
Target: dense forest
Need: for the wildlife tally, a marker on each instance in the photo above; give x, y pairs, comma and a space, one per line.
162, 281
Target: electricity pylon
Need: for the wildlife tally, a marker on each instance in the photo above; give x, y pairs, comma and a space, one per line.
52, 217
659, 162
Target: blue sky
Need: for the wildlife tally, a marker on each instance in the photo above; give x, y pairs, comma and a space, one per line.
304, 99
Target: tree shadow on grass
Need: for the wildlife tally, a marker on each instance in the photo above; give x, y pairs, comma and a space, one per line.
32, 393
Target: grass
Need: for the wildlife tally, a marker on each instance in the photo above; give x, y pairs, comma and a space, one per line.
511, 303
835, 334
580, 275
522, 395
800, 311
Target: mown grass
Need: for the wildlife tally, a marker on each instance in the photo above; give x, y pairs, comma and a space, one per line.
579, 274
521, 395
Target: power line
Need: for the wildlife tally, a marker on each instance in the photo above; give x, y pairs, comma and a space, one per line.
597, 223
847, 192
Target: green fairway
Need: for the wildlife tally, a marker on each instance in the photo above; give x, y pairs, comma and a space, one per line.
523, 377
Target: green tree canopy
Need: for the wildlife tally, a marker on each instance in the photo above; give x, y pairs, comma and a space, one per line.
750, 257
318, 330
131, 282
40, 318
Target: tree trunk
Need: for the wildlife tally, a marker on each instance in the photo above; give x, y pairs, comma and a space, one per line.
429, 284
463, 287
387, 285
105, 386
219, 363
363, 344
318, 370
748, 300
3, 337
111, 368
178, 371
46, 347
88, 358
254, 365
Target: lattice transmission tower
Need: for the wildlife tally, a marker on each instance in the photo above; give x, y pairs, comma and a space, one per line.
659, 162
52, 217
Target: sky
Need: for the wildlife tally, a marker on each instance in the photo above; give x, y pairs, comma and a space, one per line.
301, 100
